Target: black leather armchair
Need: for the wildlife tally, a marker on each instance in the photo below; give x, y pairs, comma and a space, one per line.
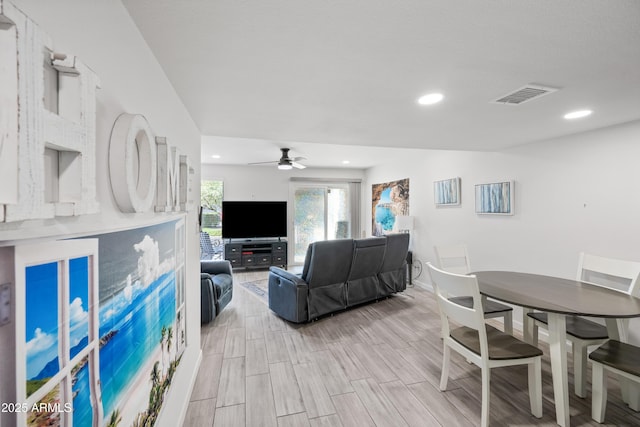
216, 287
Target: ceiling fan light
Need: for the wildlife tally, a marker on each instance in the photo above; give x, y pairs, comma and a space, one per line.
577, 114
430, 98
284, 166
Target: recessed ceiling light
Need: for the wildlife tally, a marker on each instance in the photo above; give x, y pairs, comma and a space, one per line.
430, 98
345, 162
215, 156
577, 114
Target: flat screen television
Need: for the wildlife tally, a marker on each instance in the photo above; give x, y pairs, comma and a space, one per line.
250, 220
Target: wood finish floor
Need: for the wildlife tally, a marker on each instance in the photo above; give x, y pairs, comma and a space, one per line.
375, 365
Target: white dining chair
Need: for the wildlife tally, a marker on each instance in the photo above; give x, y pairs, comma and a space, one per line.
616, 357
455, 259
483, 345
611, 273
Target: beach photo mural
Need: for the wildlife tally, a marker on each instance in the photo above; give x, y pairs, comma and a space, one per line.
388, 200
105, 354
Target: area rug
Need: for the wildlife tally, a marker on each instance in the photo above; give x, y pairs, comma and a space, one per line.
259, 288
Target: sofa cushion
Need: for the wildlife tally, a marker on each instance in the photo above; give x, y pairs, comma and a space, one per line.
329, 262
222, 283
392, 276
362, 283
368, 255
396, 252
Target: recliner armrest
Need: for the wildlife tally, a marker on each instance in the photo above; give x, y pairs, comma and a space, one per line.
215, 267
294, 278
288, 295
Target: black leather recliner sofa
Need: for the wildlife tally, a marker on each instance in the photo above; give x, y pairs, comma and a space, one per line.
338, 274
216, 287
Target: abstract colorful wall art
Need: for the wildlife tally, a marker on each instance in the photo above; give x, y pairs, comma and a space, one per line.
388, 200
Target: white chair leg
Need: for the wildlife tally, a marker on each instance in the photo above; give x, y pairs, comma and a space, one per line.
598, 392
634, 396
534, 335
579, 368
444, 376
508, 322
529, 328
486, 387
618, 329
535, 387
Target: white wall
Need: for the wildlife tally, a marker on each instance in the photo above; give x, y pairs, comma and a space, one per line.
266, 183
578, 193
103, 36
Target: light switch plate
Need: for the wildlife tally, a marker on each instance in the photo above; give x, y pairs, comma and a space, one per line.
5, 303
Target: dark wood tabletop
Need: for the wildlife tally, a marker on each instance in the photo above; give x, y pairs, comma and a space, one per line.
556, 295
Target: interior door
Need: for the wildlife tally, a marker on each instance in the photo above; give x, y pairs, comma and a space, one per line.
321, 212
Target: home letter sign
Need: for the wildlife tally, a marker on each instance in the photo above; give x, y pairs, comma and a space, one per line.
168, 169
132, 163
47, 125
144, 169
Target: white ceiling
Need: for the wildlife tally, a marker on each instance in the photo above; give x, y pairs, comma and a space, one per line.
324, 76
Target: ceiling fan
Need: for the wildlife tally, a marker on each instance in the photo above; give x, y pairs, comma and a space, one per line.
285, 162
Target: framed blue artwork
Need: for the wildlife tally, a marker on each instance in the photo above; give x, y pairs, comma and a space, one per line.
447, 192
495, 198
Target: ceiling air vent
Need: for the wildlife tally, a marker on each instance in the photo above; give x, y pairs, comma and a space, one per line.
525, 94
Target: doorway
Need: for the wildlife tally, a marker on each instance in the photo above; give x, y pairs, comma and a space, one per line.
211, 195
320, 212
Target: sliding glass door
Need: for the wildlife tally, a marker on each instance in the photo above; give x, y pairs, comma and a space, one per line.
321, 212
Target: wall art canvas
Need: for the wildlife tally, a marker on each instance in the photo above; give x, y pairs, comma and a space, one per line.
388, 200
495, 198
104, 326
447, 192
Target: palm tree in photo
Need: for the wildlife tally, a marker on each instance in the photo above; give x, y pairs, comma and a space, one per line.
155, 374
163, 334
169, 338
115, 418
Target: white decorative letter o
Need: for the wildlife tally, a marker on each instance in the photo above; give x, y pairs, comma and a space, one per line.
132, 163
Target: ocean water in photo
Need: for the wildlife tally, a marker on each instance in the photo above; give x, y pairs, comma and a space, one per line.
135, 334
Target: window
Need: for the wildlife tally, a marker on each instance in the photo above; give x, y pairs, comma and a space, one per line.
211, 195
57, 332
323, 211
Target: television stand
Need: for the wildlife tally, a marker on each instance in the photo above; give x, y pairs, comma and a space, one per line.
263, 253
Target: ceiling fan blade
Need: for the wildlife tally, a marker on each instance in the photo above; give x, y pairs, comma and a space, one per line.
262, 163
298, 165
297, 159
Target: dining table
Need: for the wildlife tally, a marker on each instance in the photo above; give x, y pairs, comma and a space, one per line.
561, 297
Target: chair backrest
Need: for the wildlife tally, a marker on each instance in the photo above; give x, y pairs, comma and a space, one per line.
447, 285
368, 255
395, 254
453, 259
617, 274
327, 262
206, 248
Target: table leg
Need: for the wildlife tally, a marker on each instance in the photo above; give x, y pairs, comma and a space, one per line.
558, 356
